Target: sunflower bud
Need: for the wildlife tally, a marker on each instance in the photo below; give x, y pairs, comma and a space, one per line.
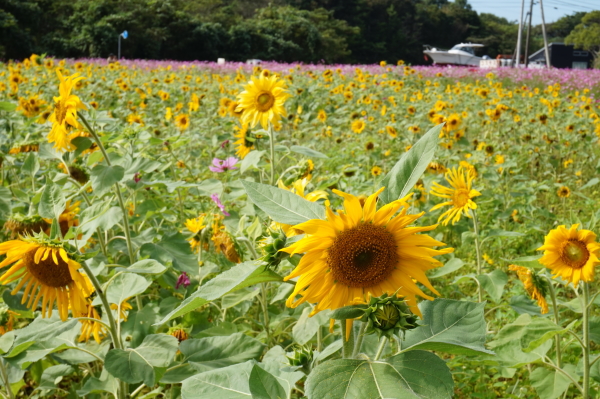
388, 315
275, 241
302, 357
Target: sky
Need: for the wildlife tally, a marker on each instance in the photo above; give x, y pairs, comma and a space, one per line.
553, 9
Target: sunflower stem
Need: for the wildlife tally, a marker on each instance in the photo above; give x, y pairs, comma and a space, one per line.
381, 347
348, 345
555, 311
5, 379
478, 253
272, 150
263, 302
359, 340
586, 340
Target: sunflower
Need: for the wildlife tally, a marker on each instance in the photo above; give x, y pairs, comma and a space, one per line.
391, 131
362, 253
244, 146
535, 286
64, 117
460, 195
19, 224
44, 266
90, 328
376, 171
563, 192
224, 244
262, 100
195, 226
358, 126
7, 319
571, 254
322, 116
182, 121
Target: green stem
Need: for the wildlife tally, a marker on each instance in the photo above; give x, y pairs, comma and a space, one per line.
272, 148
586, 341
348, 346
263, 301
359, 340
478, 253
5, 379
555, 310
98, 232
381, 347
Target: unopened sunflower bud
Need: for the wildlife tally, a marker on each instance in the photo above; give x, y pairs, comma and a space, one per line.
388, 315
275, 241
302, 356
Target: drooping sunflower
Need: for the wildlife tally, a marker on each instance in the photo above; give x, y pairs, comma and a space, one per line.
244, 146
47, 272
460, 195
19, 224
262, 100
362, 253
64, 117
534, 285
90, 328
571, 254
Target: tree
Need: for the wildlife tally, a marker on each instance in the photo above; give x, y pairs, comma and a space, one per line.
586, 35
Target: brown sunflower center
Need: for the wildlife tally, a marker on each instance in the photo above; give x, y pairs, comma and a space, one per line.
461, 197
47, 272
264, 101
575, 254
60, 111
363, 256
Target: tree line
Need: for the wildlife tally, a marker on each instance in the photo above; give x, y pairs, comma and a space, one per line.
311, 31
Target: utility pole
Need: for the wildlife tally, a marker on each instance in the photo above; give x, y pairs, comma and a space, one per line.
519, 36
545, 38
528, 34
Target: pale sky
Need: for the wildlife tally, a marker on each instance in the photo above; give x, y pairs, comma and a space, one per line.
553, 9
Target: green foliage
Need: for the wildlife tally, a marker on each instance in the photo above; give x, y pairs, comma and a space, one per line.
586, 35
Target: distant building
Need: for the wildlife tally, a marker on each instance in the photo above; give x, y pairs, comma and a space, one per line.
563, 56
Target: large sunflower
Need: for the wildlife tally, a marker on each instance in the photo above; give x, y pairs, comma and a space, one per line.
244, 146
46, 271
64, 117
262, 100
460, 195
571, 254
360, 253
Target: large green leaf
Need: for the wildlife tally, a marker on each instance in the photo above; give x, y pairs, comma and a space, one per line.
103, 177
449, 326
52, 376
125, 286
263, 385
251, 159
451, 266
306, 327
53, 202
227, 383
216, 352
172, 248
137, 365
146, 266
238, 277
493, 283
309, 152
40, 330
550, 384
281, 205
105, 383
7, 106
408, 170
415, 374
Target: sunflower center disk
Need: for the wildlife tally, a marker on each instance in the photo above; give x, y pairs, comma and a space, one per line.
363, 256
265, 101
47, 272
461, 197
575, 254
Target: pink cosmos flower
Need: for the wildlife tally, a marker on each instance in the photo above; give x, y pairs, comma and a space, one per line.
217, 200
221, 166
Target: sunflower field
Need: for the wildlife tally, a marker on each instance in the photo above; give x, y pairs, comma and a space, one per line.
194, 230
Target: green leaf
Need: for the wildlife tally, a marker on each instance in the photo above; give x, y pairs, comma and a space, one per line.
502, 233
281, 205
493, 283
6, 341
146, 266
125, 286
348, 312
103, 177
217, 352
53, 202
276, 362
527, 261
5, 196
172, 248
415, 374
450, 326
523, 304
309, 152
451, 266
306, 327
106, 383
236, 278
540, 330
590, 183
53, 375
40, 329
7, 106
250, 160
550, 384
137, 365
408, 170
31, 164
227, 383
263, 385
100, 216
